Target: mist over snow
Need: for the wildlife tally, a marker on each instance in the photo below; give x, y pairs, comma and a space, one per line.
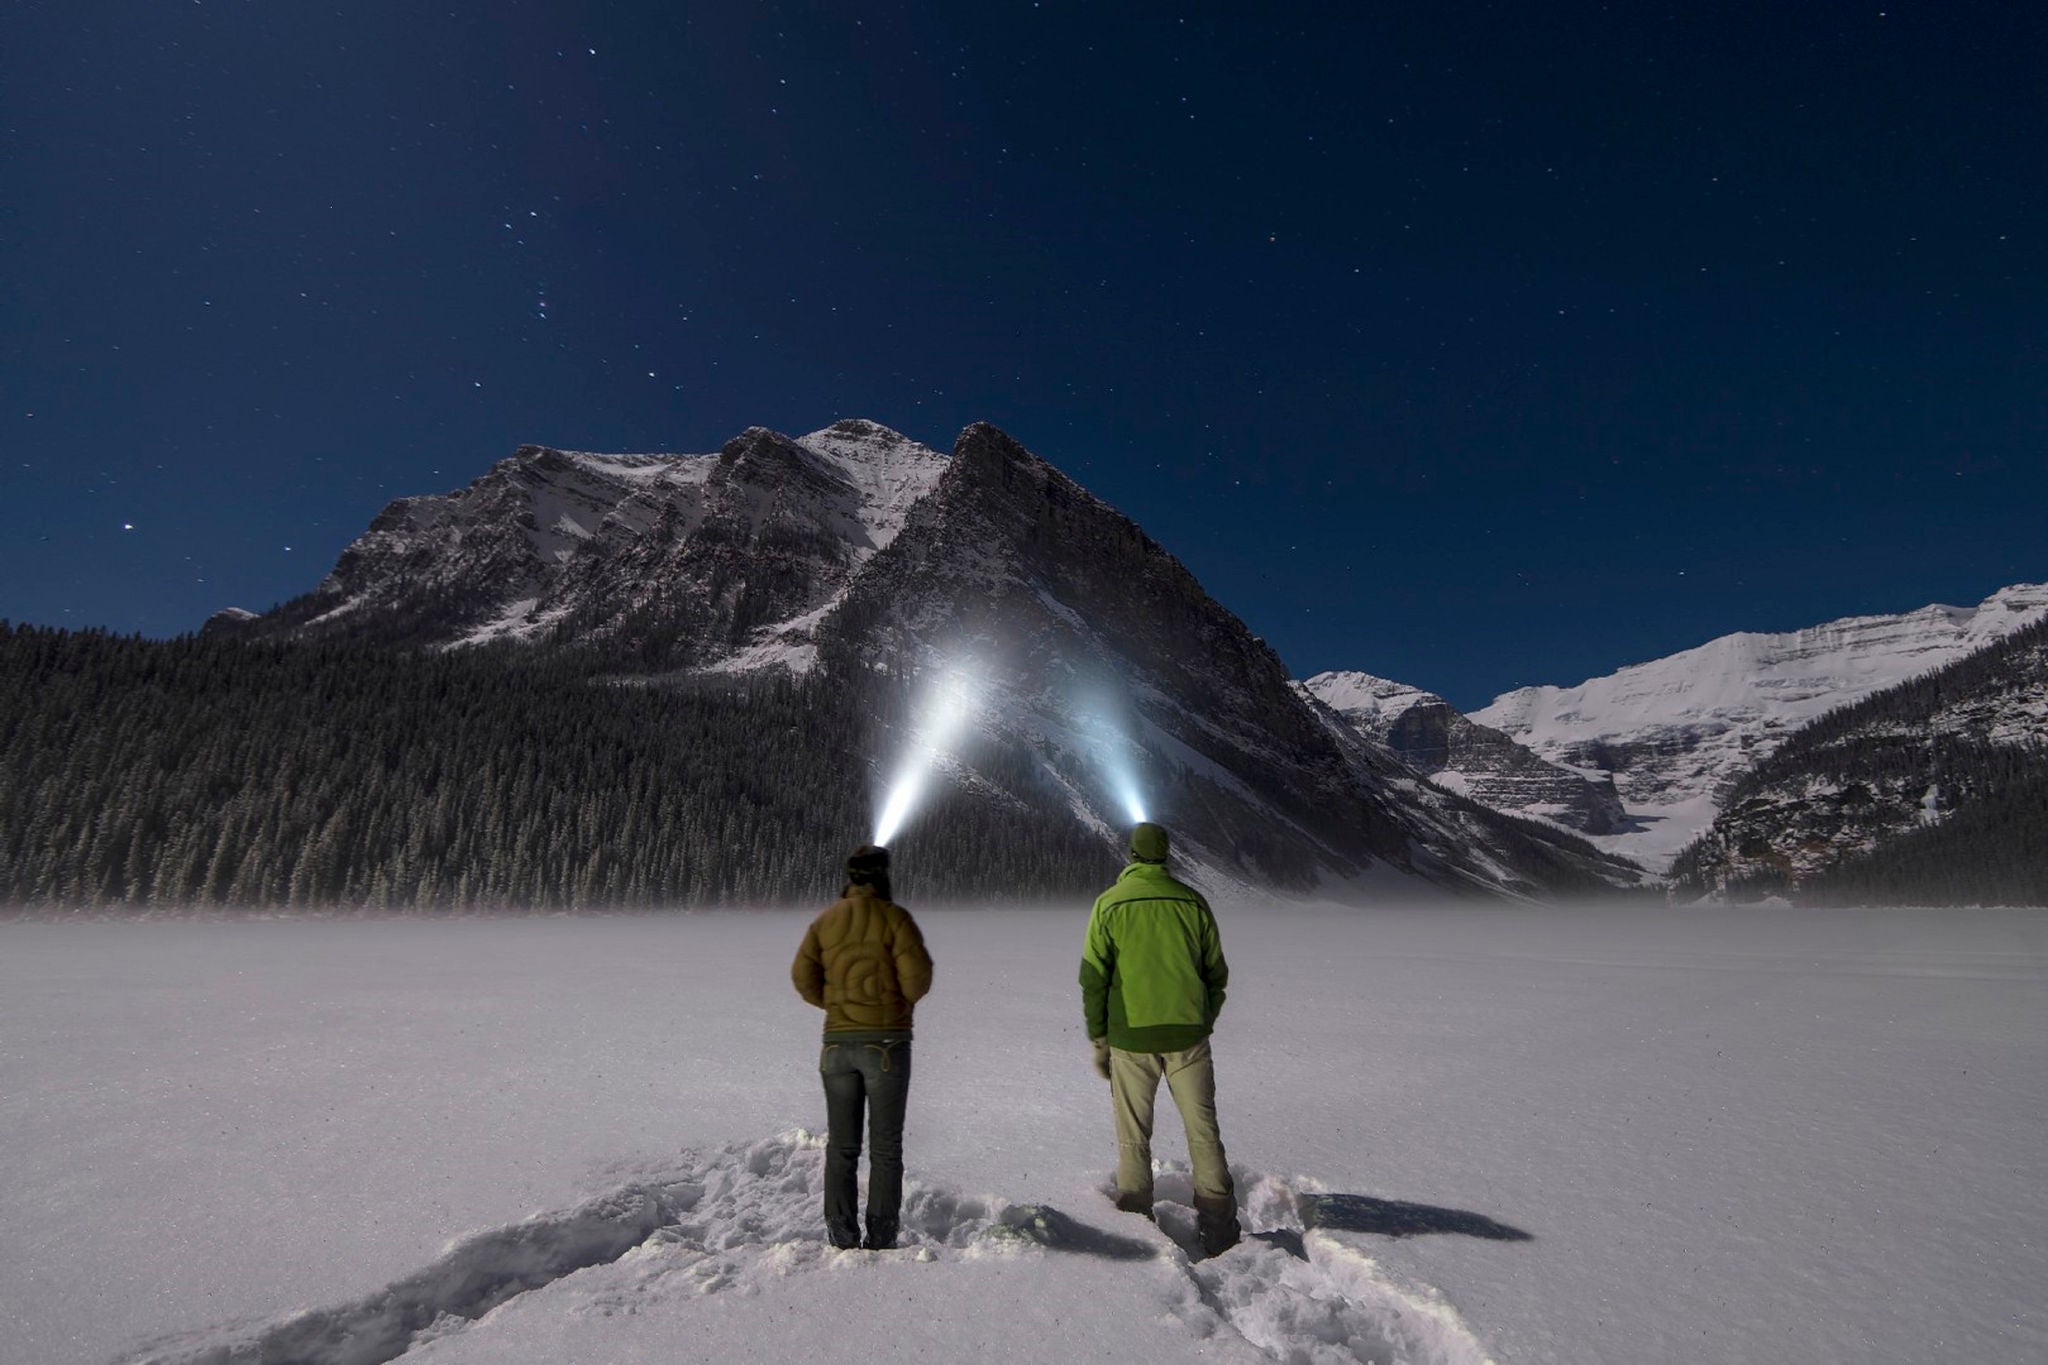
1511, 1134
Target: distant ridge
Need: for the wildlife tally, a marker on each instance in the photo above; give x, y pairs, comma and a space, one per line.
1933, 791
1674, 734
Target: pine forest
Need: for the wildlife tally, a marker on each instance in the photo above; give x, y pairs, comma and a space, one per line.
218, 772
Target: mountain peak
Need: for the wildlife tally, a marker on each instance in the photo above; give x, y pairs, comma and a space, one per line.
861, 429
760, 444
984, 454
1366, 696
988, 438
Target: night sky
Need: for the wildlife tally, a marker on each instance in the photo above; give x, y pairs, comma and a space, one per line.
1474, 345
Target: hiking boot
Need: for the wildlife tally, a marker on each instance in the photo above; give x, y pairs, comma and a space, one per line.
881, 1237
1132, 1201
842, 1236
1216, 1219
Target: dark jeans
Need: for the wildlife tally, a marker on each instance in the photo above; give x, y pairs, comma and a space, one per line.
874, 1076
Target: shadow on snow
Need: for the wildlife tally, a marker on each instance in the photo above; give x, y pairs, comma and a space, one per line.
1394, 1218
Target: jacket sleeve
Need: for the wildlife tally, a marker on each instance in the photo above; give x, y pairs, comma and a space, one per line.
913, 962
808, 971
1215, 971
1098, 962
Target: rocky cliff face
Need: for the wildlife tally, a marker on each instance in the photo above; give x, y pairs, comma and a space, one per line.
1904, 760
667, 561
1059, 599
1674, 734
1433, 737
1096, 660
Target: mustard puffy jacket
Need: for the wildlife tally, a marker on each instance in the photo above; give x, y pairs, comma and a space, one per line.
863, 962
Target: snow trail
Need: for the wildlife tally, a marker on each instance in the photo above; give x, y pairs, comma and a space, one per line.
744, 1219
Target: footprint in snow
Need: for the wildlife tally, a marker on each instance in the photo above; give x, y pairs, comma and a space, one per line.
744, 1216
1302, 1294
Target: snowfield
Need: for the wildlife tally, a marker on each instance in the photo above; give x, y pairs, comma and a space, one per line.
1467, 1134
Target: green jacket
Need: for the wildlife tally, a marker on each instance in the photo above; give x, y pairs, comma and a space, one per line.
1152, 970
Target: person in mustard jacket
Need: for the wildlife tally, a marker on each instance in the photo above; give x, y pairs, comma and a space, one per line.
1152, 984
864, 963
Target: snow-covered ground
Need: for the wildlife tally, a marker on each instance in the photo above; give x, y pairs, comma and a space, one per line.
1513, 1134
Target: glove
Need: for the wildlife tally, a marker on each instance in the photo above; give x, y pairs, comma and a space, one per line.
1101, 1057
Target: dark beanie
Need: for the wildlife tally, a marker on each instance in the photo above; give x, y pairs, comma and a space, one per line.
868, 863
1148, 842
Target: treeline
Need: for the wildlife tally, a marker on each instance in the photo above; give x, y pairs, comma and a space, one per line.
1988, 842
211, 771
1991, 853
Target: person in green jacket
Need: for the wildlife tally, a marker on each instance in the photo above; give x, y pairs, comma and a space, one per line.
1152, 983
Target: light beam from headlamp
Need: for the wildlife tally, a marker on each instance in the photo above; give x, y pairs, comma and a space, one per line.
1103, 723
950, 699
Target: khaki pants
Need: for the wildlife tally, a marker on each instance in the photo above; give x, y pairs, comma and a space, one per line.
1133, 1086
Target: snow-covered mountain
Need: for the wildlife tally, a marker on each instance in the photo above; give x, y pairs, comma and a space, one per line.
1674, 733
1099, 650
678, 561
1960, 753
1434, 738
1086, 648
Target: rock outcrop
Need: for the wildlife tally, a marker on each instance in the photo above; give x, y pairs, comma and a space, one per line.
1433, 737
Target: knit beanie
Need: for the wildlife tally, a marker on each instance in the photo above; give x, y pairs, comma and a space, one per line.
1148, 843
869, 863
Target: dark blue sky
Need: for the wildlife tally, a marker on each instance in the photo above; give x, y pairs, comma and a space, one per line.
1471, 344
